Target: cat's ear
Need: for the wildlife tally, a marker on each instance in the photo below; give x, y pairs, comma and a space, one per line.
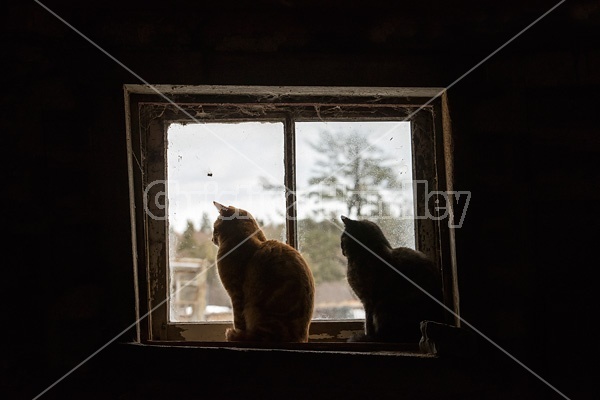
224, 210
345, 220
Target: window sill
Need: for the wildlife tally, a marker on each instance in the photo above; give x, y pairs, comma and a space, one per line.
380, 349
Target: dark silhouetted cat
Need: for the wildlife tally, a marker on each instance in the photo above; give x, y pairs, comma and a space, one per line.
394, 307
270, 285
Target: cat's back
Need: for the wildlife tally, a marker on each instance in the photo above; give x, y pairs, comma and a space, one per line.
411, 261
280, 270
280, 259
395, 277
416, 266
279, 291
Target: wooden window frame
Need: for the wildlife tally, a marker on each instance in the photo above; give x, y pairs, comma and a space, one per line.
149, 111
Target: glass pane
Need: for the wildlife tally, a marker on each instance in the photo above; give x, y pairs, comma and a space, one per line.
359, 169
239, 164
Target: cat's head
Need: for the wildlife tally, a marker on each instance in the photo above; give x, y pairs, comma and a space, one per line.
359, 234
231, 212
234, 223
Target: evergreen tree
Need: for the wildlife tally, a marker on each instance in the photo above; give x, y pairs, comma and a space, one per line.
206, 224
187, 245
320, 246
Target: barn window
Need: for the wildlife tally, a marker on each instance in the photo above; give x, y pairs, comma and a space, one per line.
297, 158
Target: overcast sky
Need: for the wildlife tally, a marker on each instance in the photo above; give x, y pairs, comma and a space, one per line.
224, 162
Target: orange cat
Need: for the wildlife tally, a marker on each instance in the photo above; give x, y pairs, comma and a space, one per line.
270, 285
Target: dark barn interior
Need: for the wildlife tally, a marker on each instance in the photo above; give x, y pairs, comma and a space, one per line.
526, 128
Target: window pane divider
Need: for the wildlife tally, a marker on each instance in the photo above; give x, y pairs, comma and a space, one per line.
289, 157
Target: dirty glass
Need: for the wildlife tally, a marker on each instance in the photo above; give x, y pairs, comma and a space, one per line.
362, 170
239, 164
357, 169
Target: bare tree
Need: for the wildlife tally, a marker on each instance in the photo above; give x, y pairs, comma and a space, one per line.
354, 171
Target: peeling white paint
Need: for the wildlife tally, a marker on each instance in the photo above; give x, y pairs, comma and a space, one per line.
347, 334
320, 336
